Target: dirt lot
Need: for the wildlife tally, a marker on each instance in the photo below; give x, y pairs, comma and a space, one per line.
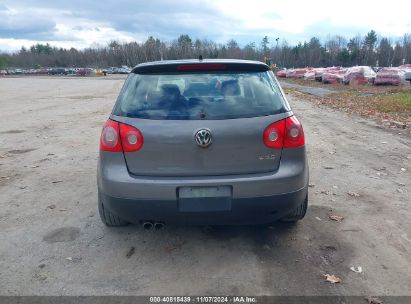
53, 242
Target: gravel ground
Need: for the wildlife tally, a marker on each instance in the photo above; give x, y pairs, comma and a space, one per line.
53, 242
316, 91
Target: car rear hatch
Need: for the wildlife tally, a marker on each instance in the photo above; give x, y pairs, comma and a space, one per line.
170, 148
218, 103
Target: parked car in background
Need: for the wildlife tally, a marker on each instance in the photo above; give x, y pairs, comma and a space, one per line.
3, 72
124, 70
351, 75
310, 74
111, 70
318, 73
211, 142
41, 72
359, 75
390, 76
85, 72
115, 70
100, 72
407, 76
58, 71
333, 75
405, 67
72, 71
281, 73
296, 73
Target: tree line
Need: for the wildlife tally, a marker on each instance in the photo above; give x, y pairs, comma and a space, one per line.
334, 51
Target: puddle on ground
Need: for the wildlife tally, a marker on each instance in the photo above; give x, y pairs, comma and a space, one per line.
13, 132
20, 151
64, 234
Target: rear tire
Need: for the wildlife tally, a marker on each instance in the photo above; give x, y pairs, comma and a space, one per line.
108, 218
297, 214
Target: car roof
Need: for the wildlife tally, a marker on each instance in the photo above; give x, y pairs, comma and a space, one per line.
214, 64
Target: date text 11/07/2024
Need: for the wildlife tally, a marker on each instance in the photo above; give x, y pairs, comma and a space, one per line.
204, 299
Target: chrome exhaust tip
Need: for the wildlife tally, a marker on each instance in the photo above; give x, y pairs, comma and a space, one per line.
148, 225
158, 226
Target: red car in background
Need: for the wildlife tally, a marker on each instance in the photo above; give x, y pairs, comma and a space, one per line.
42, 71
84, 72
333, 75
405, 66
391, 76
281, 73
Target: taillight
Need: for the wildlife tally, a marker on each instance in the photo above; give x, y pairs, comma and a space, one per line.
119, 137
131, 138
273, 135
294, 134
110, 137
286, 133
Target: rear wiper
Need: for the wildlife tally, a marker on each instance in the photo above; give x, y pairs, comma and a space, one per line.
203, 115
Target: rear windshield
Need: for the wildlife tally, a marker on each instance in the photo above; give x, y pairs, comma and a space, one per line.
199, 96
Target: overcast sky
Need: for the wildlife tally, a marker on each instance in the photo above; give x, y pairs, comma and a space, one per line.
80, 23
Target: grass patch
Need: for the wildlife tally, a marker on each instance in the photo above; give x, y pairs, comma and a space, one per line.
395, 102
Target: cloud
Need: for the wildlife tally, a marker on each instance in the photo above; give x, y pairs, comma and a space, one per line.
15, 25
84, 22
3, 7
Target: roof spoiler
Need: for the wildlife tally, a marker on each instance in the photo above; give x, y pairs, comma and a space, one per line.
200, 67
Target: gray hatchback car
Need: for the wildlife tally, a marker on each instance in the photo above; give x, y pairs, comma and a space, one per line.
202, 142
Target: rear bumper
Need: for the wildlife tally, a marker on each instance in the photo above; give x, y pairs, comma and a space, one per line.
114, 179
256, 198
243, 211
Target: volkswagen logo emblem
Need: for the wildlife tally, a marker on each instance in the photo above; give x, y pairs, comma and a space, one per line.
203, 138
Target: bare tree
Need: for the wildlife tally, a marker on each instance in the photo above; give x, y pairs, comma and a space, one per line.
333, 51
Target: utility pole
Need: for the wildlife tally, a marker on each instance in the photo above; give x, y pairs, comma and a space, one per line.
277, 52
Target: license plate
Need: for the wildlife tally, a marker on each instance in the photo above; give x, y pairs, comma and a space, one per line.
198, 192
204, 199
